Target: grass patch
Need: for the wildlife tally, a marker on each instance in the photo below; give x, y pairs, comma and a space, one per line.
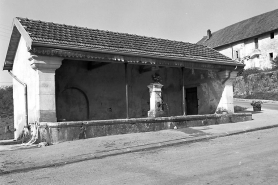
239, 108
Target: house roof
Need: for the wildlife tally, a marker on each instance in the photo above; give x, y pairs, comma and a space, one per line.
40, 33
248, 28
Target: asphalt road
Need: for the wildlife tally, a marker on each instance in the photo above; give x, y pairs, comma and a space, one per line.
250, 158
272, 106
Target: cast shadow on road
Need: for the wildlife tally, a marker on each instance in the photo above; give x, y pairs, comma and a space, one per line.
193, 132
253, 112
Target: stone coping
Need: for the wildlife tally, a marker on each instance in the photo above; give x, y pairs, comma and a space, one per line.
138, 120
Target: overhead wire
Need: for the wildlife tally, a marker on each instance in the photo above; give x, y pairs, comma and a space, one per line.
2, 27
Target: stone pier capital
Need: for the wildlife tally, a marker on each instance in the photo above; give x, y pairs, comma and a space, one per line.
45, 63
227, 74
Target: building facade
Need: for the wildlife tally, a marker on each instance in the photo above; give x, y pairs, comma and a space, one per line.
68, 76
253, 42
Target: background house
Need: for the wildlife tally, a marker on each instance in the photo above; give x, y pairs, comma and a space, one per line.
253, 42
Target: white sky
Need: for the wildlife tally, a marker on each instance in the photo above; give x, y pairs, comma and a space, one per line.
182, 20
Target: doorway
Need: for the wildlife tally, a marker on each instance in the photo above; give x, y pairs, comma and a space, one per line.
191, 101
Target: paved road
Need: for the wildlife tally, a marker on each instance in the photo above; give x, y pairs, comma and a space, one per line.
250, 158
272, 106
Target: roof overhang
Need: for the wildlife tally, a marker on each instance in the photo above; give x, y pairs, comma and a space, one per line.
117, 57
41, 48
48, 47
17, 32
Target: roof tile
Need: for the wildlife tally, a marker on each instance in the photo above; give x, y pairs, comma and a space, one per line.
61, 34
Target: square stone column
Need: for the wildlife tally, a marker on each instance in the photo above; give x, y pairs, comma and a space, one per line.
45, 87
156, 102
227, 100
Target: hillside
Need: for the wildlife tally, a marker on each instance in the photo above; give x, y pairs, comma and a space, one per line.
6, 112
262, 85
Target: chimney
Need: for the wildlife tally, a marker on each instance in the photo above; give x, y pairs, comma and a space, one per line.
208, 34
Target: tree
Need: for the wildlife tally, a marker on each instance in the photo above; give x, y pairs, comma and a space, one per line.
6, 100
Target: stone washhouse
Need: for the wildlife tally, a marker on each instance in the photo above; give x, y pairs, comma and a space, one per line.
77, 82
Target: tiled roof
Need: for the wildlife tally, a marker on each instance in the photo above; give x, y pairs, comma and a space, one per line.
91, 39
252, 27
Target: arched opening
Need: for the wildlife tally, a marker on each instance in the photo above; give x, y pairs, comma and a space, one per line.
72, 105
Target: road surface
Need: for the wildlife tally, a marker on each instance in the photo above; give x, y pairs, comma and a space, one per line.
250, 158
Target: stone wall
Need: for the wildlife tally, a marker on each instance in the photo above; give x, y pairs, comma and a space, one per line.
263, 82
67, 131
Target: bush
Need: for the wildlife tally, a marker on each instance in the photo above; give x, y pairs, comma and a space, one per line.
275, 63
250, 71
257, 104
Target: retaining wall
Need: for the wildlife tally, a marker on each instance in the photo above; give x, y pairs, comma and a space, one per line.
54, 132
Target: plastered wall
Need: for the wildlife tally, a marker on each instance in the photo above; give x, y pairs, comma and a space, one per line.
246, 48
23, 71
102, 90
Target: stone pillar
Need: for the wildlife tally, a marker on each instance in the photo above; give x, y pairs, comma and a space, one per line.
156, 102
45, 87
227, 99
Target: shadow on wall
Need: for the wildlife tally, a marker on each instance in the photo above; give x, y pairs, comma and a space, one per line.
209, 89
145, 103
98, 92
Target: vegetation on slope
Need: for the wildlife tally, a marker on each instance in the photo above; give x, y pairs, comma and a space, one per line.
6, 100
6, 112
255, 83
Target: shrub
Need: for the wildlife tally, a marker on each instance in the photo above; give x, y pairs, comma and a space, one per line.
275, 63
257, 104
250, 71
239, 108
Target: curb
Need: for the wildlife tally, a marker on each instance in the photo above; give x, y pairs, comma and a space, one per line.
10, 142
145, 147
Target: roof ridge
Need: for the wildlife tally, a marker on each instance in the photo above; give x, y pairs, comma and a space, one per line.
248, 28
57, 35
245, 20
150, 37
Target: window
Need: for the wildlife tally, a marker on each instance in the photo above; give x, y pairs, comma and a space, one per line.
237, 54
256, 43
270, 56
272, 35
